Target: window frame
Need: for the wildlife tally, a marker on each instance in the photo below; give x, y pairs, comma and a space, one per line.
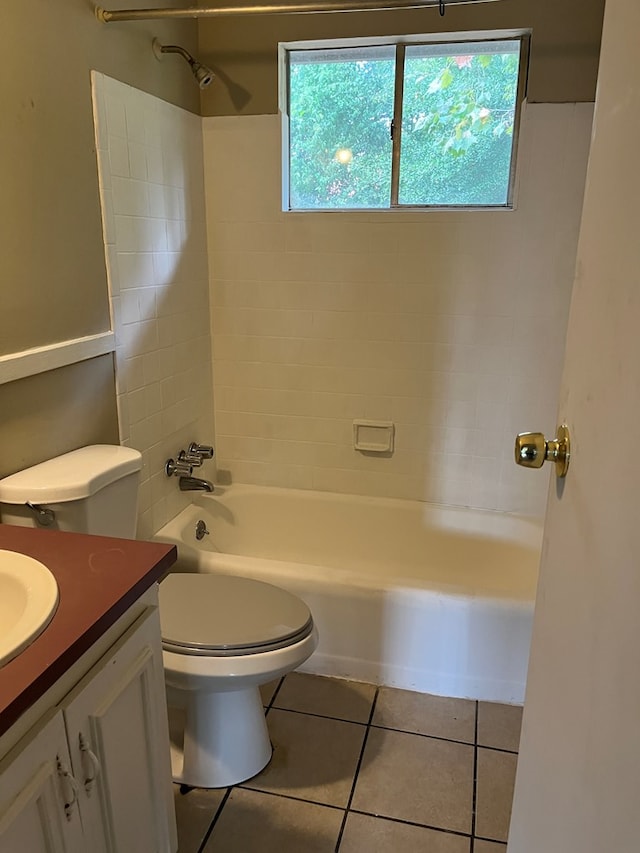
400, 43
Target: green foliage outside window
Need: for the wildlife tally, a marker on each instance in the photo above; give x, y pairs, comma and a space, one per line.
457, 127
342, 108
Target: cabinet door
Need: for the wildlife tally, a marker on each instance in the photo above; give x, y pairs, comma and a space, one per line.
117, 729
38, 796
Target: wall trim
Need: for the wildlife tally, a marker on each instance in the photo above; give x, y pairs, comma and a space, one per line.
30, 362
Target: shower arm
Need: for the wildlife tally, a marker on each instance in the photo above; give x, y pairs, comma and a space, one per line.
175, 48
318, 7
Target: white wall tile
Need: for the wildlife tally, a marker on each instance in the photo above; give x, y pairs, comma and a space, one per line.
160, 298
130, 306
450, 324
115, 115
136, 119
129, 197
119, 156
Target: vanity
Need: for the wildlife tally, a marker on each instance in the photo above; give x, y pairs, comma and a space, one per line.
84, 745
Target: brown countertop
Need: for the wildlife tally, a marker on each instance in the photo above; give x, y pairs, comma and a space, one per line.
99, 578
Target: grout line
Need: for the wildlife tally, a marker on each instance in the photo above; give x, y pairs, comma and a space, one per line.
498, 749
432, 737
319, 716
244, 787
384, 728
475, 779
207, 834
275, 693
358, 766
413, 823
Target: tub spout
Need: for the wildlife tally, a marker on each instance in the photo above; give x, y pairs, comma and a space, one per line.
195, 484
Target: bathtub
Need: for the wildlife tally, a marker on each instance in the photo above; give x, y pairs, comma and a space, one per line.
408, 594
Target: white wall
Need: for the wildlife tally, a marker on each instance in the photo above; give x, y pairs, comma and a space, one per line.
151, 184
449, 324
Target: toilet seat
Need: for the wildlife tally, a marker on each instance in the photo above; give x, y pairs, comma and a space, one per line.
223, 616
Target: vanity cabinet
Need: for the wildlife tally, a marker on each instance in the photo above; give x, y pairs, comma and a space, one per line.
94, 775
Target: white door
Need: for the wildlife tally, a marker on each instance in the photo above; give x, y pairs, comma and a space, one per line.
578, 782
38, 796
119, 744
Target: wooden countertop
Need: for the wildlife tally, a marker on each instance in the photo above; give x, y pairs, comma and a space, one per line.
99, 578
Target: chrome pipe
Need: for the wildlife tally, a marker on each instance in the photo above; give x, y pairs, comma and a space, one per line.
311, 8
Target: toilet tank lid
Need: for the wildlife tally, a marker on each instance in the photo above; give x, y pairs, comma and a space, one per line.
72, 476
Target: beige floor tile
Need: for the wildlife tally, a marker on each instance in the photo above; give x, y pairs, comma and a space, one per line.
267, 691
252, 822
424, 714
488, 847
194, 813
365, 833
313, 758
416, 778
328, 697
496, 778
499, 725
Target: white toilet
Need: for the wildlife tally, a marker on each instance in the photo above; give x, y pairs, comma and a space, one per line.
222, 636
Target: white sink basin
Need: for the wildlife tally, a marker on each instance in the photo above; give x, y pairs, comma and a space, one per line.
28, 600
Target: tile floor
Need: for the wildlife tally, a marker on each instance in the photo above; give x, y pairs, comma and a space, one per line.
357, 768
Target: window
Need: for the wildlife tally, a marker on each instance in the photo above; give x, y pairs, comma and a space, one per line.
403, 125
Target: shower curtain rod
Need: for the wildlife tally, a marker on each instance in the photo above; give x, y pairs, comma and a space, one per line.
328, 7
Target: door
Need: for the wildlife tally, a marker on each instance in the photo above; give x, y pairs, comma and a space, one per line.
38, 796
119, 743
578, 781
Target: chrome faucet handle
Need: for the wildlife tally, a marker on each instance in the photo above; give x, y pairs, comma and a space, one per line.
177, 469
192, 459
205, 451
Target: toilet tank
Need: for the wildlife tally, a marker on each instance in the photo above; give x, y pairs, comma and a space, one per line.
90, 490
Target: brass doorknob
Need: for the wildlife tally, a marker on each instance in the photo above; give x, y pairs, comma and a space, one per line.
533, 450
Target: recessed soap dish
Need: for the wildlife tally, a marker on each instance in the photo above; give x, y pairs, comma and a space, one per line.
374, 436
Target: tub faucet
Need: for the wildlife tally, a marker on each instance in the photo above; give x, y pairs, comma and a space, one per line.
195, 484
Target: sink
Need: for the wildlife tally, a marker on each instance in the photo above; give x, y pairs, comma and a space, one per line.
28, 601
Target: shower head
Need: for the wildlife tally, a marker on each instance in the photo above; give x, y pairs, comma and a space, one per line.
203, 75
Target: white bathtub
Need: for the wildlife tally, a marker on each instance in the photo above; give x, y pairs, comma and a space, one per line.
407, 594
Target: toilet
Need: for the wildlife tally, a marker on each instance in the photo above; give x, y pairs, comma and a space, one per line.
222, 637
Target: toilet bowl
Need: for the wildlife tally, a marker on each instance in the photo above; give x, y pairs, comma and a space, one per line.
222, 638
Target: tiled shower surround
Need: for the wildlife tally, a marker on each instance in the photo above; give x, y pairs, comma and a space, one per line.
450, 324
151, 183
